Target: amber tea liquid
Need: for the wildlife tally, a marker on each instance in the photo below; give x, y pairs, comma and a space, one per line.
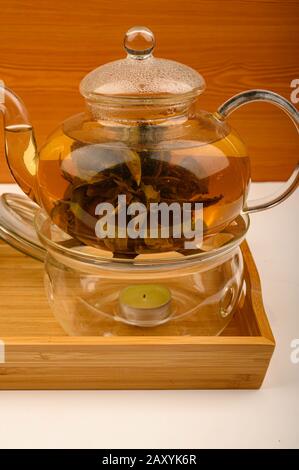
76, 172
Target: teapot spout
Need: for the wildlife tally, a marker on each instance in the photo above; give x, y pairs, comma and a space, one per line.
20, 144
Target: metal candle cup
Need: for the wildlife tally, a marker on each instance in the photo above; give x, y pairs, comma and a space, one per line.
145, 304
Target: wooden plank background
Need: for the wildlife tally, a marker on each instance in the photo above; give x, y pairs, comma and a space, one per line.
47, 46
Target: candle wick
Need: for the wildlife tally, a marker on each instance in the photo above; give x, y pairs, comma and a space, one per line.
144, 296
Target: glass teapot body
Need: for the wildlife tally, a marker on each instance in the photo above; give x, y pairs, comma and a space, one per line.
178, 156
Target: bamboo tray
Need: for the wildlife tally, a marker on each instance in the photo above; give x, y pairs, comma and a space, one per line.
35, 353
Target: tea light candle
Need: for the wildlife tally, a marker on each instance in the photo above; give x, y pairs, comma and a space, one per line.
145, 304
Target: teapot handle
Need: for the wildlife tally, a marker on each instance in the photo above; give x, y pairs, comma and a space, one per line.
263, 95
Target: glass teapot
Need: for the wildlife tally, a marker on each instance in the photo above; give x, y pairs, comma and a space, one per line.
143, 137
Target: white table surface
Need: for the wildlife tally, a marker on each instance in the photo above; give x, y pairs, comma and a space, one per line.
186, 419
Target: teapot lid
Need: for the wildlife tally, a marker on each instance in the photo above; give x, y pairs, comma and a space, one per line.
140, 74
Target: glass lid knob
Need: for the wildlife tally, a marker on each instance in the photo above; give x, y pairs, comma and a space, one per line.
139, 42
